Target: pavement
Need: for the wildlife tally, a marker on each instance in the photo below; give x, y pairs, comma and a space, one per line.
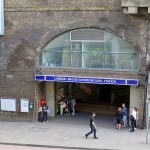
68, 132
24, 147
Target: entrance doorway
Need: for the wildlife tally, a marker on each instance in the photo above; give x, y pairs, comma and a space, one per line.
95, 97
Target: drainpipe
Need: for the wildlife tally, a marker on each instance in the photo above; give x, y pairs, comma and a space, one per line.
36, 97
35, 108
146, 75
35, 100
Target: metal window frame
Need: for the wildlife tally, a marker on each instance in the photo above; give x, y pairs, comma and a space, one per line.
87, 40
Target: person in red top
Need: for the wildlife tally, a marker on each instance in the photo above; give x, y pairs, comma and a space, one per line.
42, 101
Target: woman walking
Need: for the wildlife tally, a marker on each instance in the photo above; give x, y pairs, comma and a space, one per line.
137, 117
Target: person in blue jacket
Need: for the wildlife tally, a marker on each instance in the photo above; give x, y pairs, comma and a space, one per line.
125, 113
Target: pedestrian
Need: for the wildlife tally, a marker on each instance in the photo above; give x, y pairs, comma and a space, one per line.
133, 119
119, 118
44, 113
66, 111
92, 126
124, 112
67, 101
62, 107
40, 115
137, 117
73, 103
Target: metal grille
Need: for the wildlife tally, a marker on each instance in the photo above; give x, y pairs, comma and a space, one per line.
87, 35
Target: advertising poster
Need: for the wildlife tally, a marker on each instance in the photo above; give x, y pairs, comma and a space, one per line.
8, 104
24, 105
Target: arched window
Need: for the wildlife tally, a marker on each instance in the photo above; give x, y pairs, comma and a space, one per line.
89, 48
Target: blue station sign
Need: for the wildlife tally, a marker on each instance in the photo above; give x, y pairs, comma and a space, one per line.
91, 80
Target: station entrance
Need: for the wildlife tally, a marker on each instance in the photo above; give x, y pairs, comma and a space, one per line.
100, 98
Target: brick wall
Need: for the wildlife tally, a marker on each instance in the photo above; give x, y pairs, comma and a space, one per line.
29, 25
41, 5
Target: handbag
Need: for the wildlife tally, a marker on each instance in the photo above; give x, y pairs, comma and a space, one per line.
131, 117
47, 109
115, 121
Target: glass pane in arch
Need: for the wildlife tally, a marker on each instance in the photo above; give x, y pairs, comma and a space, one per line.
57, 52
93, 61
116, 44
121, 61
111, 53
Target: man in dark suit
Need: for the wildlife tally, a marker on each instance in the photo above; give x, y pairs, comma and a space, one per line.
92, 126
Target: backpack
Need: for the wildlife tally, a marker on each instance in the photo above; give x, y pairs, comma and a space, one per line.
47, 109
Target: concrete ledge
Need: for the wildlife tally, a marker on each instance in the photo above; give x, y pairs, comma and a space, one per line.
132, 10
135, 3
135, 10
132, 6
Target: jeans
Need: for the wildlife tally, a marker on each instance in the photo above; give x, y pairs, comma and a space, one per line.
133, 124
92, 130
73, 110
124, 120
45, 116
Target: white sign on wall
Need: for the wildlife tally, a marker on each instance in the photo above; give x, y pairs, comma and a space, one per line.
1, 17
24, 105
8, 104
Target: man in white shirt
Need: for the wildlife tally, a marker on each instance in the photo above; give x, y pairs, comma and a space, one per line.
133, 119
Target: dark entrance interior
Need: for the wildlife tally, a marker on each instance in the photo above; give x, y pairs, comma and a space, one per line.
102, 98
102, 94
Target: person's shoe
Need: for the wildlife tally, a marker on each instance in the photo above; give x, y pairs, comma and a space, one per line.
47, 121
134, 128
85, 136
95, 137
131, 130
